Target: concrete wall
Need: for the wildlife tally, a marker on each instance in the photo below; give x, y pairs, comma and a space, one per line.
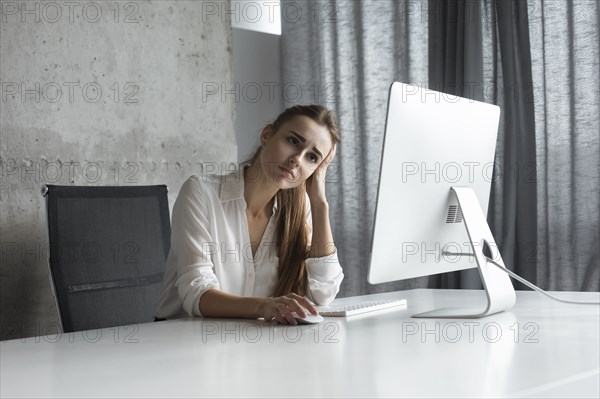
100, 93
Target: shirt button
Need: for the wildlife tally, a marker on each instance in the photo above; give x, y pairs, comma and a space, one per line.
250, 275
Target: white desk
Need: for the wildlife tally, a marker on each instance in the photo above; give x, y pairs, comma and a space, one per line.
556, 354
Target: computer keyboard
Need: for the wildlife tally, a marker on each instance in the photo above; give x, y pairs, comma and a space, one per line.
358, 308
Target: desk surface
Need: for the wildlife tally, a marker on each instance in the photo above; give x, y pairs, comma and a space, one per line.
540, 348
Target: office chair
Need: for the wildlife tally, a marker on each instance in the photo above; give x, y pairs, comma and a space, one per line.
108, 249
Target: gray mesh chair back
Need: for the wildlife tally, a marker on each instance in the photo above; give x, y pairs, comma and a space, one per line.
108, 249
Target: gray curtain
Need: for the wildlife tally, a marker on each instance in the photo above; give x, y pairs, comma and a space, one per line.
482, 51
565, 63
504, 52
456, 67
512, 213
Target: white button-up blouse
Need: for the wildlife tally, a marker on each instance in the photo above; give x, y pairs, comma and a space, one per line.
210, 248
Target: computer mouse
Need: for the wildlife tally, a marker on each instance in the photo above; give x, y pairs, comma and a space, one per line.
309, 319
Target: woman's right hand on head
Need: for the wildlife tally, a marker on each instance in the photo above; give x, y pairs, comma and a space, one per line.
280, 308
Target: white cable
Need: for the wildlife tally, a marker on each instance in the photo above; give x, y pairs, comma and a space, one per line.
536, 288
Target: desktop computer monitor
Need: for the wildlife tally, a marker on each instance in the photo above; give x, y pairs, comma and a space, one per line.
436, 171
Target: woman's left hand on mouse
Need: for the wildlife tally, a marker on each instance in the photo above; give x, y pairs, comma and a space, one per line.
280, 308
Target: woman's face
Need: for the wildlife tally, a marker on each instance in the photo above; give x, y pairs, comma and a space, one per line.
300, 145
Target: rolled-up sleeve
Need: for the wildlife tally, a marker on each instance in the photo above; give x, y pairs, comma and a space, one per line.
190, 244
324, 278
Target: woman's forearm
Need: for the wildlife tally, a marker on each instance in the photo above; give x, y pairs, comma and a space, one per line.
322, 239
215, 303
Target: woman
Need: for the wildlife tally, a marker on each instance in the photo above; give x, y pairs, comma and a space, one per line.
257, 242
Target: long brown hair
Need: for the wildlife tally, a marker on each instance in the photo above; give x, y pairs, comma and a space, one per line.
291, 230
